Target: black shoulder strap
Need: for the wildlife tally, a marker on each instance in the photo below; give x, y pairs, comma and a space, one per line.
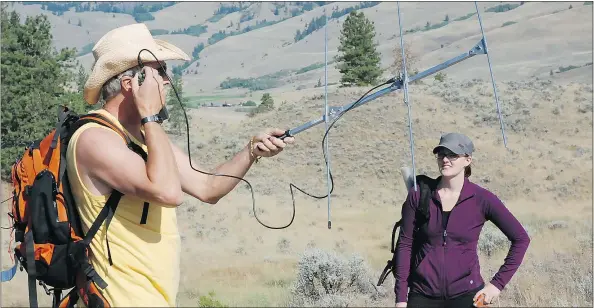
106, 215
427, 186
99, 119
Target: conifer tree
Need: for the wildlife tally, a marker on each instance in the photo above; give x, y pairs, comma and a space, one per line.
36, 79
177, 120
266, 103
359, 60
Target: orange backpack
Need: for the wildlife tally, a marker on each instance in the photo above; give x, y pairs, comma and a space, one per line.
53, 248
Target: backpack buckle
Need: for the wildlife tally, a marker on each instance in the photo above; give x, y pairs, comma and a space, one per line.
19, 259
19, 235
47, 291
19, 231
91, 274
27, 190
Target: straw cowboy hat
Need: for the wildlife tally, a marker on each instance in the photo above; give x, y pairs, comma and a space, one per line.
118, 51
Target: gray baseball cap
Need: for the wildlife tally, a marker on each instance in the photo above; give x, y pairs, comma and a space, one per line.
455, 142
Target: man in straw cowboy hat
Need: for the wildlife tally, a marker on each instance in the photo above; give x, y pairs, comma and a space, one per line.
144, 245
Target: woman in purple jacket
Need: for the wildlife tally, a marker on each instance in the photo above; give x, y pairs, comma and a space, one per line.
442, 267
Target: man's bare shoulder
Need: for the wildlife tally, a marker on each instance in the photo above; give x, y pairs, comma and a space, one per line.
100, 135
99, 143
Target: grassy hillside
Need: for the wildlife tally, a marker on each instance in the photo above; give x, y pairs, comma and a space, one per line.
252, 40
545, 179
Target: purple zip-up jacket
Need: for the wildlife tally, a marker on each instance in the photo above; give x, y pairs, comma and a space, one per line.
446, 262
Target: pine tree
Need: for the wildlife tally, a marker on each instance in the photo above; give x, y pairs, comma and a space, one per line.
81, 78
177, 120
359, 60
266, 103
36, 79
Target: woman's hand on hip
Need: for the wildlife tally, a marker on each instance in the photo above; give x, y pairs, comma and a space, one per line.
489, 292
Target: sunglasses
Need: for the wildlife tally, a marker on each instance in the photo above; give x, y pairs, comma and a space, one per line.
162, 72
450, 155
162, 69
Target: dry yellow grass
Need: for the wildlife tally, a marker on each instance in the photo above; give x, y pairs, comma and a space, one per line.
545, 179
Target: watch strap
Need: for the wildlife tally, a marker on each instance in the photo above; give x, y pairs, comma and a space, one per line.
153, 118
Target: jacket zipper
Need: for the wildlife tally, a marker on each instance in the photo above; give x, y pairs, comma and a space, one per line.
443, 276
444, 288
443, 250
445, 247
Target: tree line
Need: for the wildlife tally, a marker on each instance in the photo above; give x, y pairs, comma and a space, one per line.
140, 11
317, 23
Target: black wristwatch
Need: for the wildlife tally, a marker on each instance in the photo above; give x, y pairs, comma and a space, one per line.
154, 118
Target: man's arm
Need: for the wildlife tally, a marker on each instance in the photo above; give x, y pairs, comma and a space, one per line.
211, 189
208, 188
118, 167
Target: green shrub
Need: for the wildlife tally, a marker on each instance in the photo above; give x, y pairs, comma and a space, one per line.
159, 31
142, 17
210, 301
464, 17
567, 68
440, 76
502, 8
266, 104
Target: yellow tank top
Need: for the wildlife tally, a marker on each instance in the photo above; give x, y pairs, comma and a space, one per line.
146, 257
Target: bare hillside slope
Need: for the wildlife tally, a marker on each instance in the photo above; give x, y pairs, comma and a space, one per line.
522, 41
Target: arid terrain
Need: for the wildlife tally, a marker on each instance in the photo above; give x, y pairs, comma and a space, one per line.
544, 176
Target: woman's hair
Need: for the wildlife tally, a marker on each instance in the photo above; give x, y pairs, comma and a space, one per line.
467, 171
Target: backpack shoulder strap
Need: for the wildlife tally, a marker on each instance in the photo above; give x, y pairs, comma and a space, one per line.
427, 186
106, 215
99, 119
391, 264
